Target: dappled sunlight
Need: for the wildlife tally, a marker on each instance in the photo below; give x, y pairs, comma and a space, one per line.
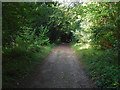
31, 30
82, 46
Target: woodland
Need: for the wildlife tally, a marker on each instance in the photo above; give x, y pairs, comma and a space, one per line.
30, 30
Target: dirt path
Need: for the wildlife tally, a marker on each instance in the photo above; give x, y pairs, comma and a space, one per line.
61, 69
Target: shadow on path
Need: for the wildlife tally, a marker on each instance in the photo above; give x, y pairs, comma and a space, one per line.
61, 69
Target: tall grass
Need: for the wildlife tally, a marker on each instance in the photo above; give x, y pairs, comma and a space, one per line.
101, 66
18, 62
23, 53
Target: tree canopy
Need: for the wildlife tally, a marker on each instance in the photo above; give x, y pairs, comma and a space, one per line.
31, 26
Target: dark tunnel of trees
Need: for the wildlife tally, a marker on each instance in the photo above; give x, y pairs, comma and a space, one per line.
30, 30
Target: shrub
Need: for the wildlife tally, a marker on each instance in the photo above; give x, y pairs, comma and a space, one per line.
102, 66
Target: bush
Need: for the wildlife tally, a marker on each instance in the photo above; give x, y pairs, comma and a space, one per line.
18, 62
102, 66
24, 52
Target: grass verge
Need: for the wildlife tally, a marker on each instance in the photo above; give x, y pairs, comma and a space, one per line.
101, 66
18, 62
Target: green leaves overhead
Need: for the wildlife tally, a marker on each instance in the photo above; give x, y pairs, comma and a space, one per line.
98, 20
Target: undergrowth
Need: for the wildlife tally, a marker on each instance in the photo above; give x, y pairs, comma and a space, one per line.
101, 66
18, 62
23, 53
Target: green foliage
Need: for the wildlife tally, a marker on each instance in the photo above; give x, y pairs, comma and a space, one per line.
29, 38
19, 15
18, 62
25, 39
98, 24
105, 36
25, 51
98, 29
102, 66
29, 28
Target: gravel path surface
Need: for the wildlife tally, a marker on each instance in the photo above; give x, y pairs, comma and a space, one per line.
61, 69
